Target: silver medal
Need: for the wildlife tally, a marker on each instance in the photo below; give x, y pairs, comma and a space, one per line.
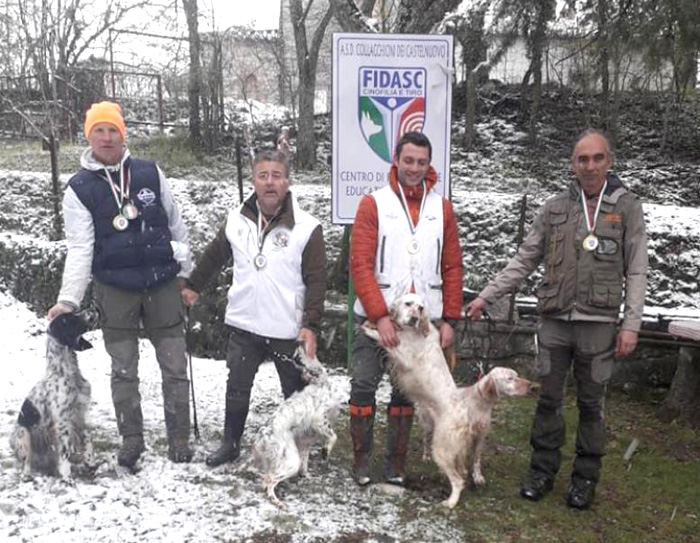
590, 243
120, 223
260, 261
130, 211
414, 246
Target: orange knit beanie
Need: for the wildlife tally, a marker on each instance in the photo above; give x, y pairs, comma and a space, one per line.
105, 112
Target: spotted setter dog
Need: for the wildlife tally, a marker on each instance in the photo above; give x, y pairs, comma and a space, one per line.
282, 447
50, 435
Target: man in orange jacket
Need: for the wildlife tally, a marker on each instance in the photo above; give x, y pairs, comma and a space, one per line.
405, 238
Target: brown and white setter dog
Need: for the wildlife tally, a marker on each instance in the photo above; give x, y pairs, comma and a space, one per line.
455, 420
50, 435
281, 448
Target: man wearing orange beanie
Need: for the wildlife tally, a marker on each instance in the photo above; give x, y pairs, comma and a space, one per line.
124, 230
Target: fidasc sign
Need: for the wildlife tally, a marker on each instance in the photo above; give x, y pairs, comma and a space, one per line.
383, 87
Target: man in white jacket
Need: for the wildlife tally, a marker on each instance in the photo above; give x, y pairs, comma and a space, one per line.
124, 230
276, 297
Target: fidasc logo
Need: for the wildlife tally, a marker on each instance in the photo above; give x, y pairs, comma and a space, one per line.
391, 102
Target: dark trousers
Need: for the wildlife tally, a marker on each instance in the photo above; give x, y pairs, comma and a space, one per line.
246, 351
369, 361
589, 348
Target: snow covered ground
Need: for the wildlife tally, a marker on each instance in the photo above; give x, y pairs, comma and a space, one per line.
182, 502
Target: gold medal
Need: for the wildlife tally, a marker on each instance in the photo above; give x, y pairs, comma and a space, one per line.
120, 223
590, 243
130, 211
260, 261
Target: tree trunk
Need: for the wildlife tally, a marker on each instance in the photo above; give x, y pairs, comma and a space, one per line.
307, 61
683, 399
351, 17
543, 13
536, 92
470, 111
604, 62
306, 136
338, 279
420, 16
195, 79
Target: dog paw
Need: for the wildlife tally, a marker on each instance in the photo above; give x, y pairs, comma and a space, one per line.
370, 329
448, 503
479, 479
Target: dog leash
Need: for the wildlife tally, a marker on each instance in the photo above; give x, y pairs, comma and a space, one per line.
188, 338
479, 361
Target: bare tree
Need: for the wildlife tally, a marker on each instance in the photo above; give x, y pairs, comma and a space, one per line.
529, 18
353, 16
195, 78
307, 52
421, 16
48, 40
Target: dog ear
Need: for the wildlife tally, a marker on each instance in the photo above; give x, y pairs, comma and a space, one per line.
424, 325
488, 388
67, 328
394, 309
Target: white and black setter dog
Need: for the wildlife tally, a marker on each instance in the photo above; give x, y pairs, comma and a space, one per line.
282, 447
50, 435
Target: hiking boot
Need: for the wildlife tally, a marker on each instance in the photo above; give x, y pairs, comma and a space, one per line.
130, 451
179, 450
228, 451
581, 493
536, 486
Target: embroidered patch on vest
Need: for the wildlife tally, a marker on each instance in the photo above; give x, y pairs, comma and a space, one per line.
612, 217
281, 239
146, 196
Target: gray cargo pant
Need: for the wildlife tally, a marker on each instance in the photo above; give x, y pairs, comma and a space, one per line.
590, 347
160, 311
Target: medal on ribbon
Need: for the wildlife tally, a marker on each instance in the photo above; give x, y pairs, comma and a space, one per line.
260, 261
120, 222
130, 211
413, 245
126, 210
590, 242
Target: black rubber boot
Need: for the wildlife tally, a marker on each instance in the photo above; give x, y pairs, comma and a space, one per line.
234, 422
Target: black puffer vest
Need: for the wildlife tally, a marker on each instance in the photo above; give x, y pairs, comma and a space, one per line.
139, 257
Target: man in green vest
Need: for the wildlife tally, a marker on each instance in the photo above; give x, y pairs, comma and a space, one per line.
592, 241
